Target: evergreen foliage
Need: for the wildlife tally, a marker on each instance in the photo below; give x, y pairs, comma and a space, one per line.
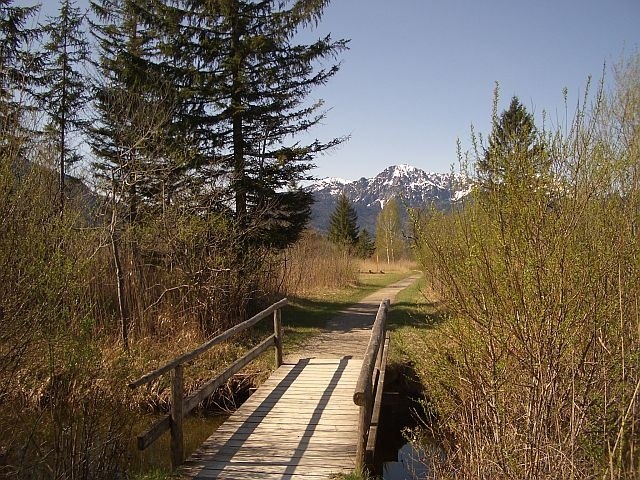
17, 66
343, 224
261, 78
64, 87
132, 107
236, 82
514, 155
365, 247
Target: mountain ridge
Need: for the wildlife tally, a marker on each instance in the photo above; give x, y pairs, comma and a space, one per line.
416, 187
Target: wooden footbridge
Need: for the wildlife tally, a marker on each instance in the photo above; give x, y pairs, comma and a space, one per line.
309, 420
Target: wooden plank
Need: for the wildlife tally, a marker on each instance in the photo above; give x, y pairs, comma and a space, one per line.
206, 474
300, 424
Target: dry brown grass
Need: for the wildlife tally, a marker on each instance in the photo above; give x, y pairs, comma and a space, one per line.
371, 265
313, 264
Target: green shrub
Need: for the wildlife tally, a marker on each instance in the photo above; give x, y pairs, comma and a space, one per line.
539, 374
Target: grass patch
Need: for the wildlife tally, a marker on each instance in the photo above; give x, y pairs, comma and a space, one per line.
415, 320
306, 315
355, 475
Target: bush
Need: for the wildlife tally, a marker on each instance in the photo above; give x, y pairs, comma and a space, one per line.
540, 374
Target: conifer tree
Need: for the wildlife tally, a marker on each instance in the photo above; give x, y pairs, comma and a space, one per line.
127, 134
64, 91
17, 66
250, 81
365, 245
343, 223
514, 154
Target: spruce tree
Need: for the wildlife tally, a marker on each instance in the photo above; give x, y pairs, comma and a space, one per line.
131, 109
343, 223
250, 81
514, 155
365, 247
17, 66
64, 86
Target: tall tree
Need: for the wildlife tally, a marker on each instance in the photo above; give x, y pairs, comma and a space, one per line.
343, 223
514, 154
17, 66
388, 235
253, 80
132, 108
365, 246
64, 86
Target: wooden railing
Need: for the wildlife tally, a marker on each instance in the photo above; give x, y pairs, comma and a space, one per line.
368, 392
180, 406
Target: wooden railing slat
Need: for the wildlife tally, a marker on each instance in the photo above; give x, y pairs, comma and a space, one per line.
377, 402
366, 387
193, 400
370, 357
149, 436
187, 357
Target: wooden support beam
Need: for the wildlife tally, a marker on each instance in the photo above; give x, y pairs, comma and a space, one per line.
177, 394
277, 333
149, 436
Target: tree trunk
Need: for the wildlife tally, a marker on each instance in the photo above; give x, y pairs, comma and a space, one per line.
122, 303
120, 279
63, 124
238, 139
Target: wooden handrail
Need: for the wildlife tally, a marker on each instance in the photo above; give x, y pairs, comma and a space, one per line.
367, 385
180, 406
187, 357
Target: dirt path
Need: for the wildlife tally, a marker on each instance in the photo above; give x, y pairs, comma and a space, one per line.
347, 334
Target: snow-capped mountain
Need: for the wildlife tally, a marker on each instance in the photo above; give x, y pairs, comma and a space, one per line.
368, 195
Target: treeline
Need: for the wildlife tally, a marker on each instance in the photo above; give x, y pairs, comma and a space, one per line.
537, 375
190, 114
390, 242
190, 117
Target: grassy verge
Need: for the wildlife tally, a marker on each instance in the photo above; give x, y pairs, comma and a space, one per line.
306, 314
414, 321
357, 475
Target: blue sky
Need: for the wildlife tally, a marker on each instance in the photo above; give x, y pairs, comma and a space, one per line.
419, 73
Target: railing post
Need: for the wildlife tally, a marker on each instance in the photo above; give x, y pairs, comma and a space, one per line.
277, 332
177, 402
363, 429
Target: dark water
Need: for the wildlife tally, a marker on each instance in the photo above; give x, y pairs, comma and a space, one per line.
411, 464
396, 458
197, 428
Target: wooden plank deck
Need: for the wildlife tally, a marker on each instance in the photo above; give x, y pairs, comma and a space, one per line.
300, 424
